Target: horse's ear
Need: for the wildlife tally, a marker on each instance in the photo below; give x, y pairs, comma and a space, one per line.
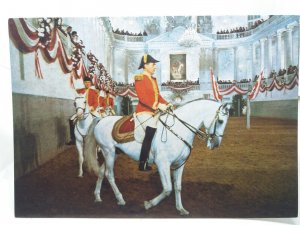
226, 107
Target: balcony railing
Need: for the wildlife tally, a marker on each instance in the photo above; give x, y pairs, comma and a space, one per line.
128, 38
243, 86
174, 88
234, 35
287, 78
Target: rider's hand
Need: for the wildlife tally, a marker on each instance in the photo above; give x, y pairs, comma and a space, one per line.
162, 107
170, 106
92, 108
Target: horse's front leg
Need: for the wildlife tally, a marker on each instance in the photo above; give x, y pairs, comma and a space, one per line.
165, 177
177, 177
79, 146
109, 173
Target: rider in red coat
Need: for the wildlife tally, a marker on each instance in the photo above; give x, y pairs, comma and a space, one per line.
105, 102
148, 93
91, 94
149, 101
92, 100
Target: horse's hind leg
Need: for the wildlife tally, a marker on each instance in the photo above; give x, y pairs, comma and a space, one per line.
99, 183
165, 177
109, 173
177, 177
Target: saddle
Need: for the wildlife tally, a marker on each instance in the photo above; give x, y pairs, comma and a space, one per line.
123, 130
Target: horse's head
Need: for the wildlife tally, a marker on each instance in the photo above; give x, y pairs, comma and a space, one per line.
80, 105
217, 127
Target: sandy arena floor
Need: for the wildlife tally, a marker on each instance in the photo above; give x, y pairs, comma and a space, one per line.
252, 174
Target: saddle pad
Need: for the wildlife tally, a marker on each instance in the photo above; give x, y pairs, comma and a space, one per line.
123, 129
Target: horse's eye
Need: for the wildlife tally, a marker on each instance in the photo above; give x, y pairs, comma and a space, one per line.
74, 104
221, 121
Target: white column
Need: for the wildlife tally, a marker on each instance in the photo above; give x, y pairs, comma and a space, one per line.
270, 59
254, 72
194, 20
280, 53
262, 53
112, 61
289, 58
215, 60
235, 64
250, 62
126, 66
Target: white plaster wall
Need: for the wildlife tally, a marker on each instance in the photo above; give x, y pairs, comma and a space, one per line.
54, 83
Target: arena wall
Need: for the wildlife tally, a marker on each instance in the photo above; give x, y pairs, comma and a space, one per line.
41, 130
284, 109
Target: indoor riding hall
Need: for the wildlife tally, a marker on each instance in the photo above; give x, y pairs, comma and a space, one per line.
250, 62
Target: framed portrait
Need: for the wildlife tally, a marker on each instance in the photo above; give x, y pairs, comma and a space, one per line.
178, 67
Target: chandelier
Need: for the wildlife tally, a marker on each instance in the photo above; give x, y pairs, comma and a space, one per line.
190, 37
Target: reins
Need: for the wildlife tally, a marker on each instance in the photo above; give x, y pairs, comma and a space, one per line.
85, 115
200, 134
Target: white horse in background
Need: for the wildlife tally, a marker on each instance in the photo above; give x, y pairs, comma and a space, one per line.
84, 118
169, 155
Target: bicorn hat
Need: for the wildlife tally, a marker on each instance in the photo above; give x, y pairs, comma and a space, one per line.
147, 59
87, 79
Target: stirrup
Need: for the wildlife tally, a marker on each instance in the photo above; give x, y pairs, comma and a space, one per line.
143, 166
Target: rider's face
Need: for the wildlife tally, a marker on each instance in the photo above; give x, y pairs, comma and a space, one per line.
87, 84
150, 68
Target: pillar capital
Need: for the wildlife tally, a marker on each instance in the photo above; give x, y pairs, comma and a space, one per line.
254, 44
280, 31
290, 26
262, 40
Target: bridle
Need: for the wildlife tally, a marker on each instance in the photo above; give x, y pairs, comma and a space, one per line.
85, 115
200, 134
215, 120
83, 109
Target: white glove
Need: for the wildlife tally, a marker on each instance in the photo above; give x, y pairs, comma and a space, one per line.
162, 107
170, 106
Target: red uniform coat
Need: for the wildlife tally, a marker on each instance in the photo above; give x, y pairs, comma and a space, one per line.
148, 94
91, 96
105, 102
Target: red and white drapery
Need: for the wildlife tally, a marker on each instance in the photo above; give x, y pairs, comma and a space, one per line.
26, 39
127, 92
279, 85
215, 87
233, 88
255, 90
258, 87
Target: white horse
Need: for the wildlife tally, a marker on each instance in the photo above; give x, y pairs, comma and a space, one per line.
84, 118
169, 155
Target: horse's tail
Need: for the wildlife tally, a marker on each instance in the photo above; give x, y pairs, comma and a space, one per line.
89, 150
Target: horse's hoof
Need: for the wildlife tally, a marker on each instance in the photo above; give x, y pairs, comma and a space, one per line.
98, 200
80, 176
147, 205
183, 212
121, 202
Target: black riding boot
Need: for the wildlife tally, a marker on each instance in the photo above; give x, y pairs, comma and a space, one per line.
72, 134
143, 166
